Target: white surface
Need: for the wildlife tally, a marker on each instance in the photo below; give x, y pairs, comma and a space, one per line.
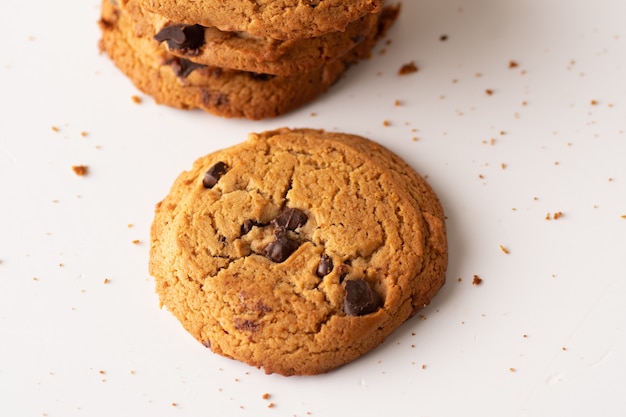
543, 335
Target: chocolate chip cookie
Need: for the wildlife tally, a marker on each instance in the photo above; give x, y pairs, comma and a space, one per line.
298, 250
184, 83
241, 51
277, 19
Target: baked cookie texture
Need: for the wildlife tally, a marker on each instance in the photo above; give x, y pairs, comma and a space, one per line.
231, 74
298, 250
243, 52
277, 19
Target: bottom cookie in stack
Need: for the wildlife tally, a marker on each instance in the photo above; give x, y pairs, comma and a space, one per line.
182, 83
298, 250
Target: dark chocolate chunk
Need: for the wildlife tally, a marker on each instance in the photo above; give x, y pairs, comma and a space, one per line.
183, 67
246, 325
260, 77
290, 219
213, 174
282, 247
360, 298
188, 38
212, 99
325, 266
247, 226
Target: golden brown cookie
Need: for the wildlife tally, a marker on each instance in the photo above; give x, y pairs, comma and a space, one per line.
182, 83
277, 19
298, 250
240, 51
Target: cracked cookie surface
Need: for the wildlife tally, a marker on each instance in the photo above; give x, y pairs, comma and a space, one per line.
298, 250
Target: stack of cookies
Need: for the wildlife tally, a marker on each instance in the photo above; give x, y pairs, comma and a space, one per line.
252, 59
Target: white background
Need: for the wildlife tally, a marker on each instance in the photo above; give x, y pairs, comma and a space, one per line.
543, 335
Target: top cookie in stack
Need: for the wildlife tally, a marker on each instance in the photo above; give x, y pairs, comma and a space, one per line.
253, 59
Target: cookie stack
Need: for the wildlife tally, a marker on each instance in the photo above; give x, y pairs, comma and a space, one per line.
252, 59
298, 250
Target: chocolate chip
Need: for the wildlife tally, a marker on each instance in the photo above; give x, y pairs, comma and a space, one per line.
213, 174
282, 247
290, 219
261, 77
183, 67
360, 299
207, 344
183, 37
247, 226
325, 266
312, 3
246, 325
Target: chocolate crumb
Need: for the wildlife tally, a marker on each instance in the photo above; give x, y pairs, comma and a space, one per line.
477, 280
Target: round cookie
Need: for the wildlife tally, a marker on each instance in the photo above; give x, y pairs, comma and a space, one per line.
277, 19
298, 250
185, 84
237, 50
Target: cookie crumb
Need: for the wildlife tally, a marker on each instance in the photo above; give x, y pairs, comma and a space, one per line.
564, 348
477, 280
513, 64
408, 68
489, 92
136, 242
386, 123
136, 99
594, 102
106, 280
512, 369
504, 249
80, 170
397, 103
423, 366
266, 396
83, 134
55, 128
271, 405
